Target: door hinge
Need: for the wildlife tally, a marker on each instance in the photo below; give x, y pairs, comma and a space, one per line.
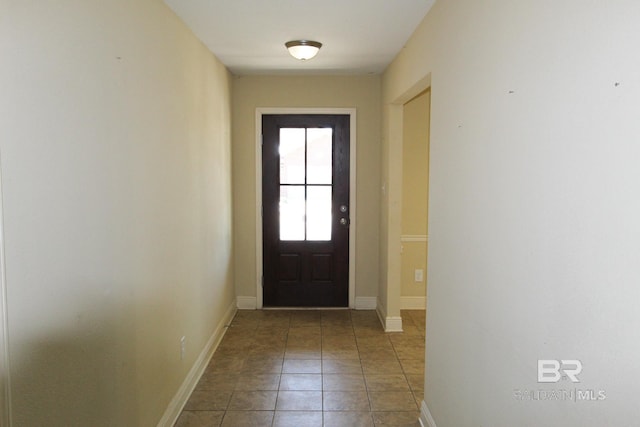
262, 281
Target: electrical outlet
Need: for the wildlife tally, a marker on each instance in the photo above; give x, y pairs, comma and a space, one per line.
183, 342
419, 275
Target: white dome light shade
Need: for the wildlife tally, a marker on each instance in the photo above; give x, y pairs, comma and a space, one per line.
303, 49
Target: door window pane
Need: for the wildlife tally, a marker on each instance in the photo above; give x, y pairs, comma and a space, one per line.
318, 212
319, 155
292, 212
292, 153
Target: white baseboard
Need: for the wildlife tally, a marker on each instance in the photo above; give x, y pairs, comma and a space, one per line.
247, 303
361, 303
389, 323
393, 324
426, 420
189, 384
413, 303
366, 303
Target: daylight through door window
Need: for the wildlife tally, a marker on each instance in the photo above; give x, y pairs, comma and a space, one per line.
306, 178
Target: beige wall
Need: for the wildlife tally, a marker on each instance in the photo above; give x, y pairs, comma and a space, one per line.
116, 175
534, 206
360, 92
415, 191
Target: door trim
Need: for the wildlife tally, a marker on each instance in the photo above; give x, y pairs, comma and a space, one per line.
351, 112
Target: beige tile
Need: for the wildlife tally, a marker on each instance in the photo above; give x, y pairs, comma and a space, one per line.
267, 353
412, 330
253, 401
358, 316
225, 365
208, 400
363, 332
298, 419
258, 382
237, 338
275, 331
303, 353
395, 382
305, 341
341, 366
305, 318
396, 419
419, 397
302, 366
412, 366
210, 381
339, 340
377, 366
416, 381
336, 318
410, 352
277, 338
351, 347
348, 419
345, 401
248, 418
247, 314
275, 314
392, 401
381, 353
403, 340
200, 419
343, 382
337, 331
230, 351
262, 365
273, 323
374, 340
299, 401
340, 354
372, 353
301, 382
304, 332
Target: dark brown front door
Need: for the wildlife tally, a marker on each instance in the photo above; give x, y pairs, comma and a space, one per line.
305, 196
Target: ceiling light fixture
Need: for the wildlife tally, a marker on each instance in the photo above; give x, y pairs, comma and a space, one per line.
303, 49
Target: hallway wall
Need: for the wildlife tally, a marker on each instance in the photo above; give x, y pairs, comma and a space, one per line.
116, 175
361, 92
534, 207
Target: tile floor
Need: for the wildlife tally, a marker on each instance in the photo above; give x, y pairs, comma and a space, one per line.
329, 368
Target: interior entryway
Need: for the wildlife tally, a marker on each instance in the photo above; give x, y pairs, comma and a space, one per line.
415, 200
305, 210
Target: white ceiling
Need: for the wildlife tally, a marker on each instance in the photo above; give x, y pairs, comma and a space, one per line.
248, 36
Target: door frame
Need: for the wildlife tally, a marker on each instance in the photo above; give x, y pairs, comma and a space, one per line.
351, 112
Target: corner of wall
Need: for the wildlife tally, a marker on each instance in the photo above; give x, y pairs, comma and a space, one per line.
389, 323
426, 420
366, 303
413, 303
247, 303
189, 384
